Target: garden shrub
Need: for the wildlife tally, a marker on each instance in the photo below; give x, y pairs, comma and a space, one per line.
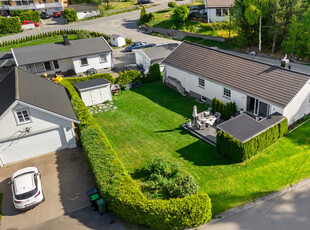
10, 25
180, 14
127, 77
123, 196
15, 13
144, 17
81, 34
153, 74
172, 4
227, 110
237, 151
70, 15
30, 15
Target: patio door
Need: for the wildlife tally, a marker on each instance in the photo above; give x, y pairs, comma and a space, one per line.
257, 107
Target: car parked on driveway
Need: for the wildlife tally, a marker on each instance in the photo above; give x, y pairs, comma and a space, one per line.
144, 1
138, 45
57, 14
28, 22
26, 188
44, 15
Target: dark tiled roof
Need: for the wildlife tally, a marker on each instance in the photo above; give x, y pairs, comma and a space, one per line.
83, 7
244, 127
115, 36
57, 51
159, 52
83, 85
272, 83
37, 91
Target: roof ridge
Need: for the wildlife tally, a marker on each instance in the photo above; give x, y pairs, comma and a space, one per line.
244, 58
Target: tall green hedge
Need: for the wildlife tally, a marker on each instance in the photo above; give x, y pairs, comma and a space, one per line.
226, 110
30, 15
70, 15
237, 151
10, 25
123, 196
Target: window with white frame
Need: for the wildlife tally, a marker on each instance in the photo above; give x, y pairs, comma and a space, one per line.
201, 83
227, 92
84, 61
218, 12
22, 116
225, 12
103, 58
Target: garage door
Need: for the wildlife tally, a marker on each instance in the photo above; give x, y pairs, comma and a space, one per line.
32, 146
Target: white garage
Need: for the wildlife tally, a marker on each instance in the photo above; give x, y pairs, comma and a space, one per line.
94, 91
36, 117
31, 146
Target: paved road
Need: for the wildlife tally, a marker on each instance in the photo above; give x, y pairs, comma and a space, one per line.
286, 212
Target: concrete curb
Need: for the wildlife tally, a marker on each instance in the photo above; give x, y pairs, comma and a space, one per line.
261, 200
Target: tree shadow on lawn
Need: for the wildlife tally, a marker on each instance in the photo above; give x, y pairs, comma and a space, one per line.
203, 154
170, 99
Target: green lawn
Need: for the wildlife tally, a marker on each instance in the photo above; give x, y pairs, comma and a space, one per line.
147, 124
163, 19
57, 38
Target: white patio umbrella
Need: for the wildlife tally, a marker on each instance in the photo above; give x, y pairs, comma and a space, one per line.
195, 112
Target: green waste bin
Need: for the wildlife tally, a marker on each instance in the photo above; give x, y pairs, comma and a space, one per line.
101, 205
94, 197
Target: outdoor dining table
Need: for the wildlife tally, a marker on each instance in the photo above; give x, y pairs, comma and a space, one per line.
209, 120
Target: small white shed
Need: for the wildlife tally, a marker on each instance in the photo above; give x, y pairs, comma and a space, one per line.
117, 40
94, 91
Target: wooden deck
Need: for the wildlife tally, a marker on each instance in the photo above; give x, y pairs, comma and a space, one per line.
208, 134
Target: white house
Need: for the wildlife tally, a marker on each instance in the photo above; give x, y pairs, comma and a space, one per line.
257, 88
94, 91
148, 56
117, 40
36, 117
218, 10
76, 56
85, 10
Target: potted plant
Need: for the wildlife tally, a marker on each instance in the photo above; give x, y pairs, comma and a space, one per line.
241, 111
189, 123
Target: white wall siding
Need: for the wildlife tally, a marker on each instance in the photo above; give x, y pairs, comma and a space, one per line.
299, 105
118, 42
213, 18
40, 122
87, 14
65, 65
96, 96
142, 59
93, 62
211, 89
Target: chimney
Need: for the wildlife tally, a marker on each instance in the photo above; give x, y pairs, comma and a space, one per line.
285, 62
66, 40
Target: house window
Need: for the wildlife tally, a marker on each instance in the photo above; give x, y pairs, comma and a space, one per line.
225, 12
227, 92
56, 0
83, 61
47, 66
31, 68
44, 1
201, 82
18, 3
6, 3
103, 58
39, 67
23, 116
56, 65
218, 12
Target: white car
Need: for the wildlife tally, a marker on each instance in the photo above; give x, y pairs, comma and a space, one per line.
26, 188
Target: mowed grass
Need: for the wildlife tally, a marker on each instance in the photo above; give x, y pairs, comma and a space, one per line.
56, 38
147, 124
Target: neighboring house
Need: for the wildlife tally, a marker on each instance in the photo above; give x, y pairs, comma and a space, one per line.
257, 88
218, 10
148, 56
40, 5
85, 10
94, 91
77, 55
37, 117
117, 40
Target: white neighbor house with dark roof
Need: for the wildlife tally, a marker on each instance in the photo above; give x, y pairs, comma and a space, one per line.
77, 55
36, 117
218, 10
257, 88
85, 10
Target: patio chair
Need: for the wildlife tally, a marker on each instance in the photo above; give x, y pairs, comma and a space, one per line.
217, 116
201, 125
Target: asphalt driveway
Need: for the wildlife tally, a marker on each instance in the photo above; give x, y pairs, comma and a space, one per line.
65, 180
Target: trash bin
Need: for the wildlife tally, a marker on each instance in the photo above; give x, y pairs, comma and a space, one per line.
101, 204
92, 192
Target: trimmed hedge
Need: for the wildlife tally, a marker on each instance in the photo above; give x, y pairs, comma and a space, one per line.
123, 196
226, 110
126, 77
70, 15
237, 151
41, 35
10, 25
30, 15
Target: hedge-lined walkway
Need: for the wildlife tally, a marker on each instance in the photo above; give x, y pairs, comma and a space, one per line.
147, 123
